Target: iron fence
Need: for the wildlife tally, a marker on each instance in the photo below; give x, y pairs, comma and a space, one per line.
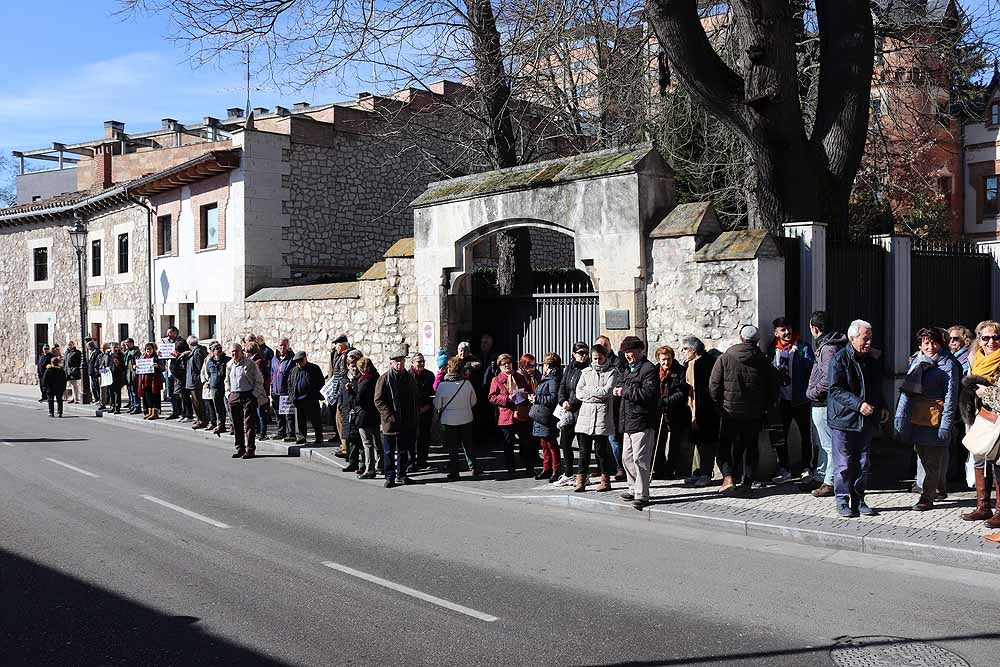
949, 284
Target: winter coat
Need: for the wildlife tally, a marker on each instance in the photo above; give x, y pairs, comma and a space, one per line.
151, 381
192, 377
213, 373
54, 380
42, 363
459, 395
425, 387
801, 364
116, 362
567, 388
640, 400
853, 380
347, 403
338, 366
396, 400
500, 396
280, 369
490, 369
547, 395
939, 379
704, 416
367, 413
674, 392
94, 363
593, 391
74, 364
827, 345
744, 384
130, 358
308, 382
179, 361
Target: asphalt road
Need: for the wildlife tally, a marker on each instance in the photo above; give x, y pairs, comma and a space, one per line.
119, 547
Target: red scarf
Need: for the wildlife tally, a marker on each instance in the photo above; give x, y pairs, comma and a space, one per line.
780, 344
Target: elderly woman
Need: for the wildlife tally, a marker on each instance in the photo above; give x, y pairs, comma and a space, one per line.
704, 432
150, 384
928, 408
509, 392
455, 403
960, 341
347, 401
595, 420
546, 428
979, 386
672, 453
367, 418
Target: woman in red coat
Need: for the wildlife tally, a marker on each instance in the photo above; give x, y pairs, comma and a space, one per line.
151, 384
509, 391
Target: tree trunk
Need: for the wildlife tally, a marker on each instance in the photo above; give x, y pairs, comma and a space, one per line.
514, 262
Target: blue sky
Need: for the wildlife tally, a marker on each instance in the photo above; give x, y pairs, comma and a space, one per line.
68, 66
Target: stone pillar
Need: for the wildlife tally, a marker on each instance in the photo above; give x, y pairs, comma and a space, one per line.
770, 286
812, 266
898, 323
993, 247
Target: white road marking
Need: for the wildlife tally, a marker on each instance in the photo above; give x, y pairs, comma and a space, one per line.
5, 443
327, 458
193, 515
406, 590
73, 468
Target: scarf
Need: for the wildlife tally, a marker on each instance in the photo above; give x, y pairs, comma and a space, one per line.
986, 365
664, 381
781, 345
913, 383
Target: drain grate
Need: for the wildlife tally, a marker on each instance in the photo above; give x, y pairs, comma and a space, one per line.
879, 651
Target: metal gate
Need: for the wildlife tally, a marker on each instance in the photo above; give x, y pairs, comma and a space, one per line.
950, 284
550, 320
855, 285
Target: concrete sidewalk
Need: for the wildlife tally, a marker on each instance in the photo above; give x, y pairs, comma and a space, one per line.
938, 535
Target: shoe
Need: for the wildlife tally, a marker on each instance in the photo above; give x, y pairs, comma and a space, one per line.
155, 414
59, 416
605, 484
545, 474
983, 510
476, 471
263, 436
351, 468
823, 491
808, 485
51, 415
240, 453
916, 489
627, 496
408, 482
925, 503
529, 471
42, 400
727, 485
412, 467
149, 413
341, 453
846, 512
620, 476
995, 537
217, 430
249, 455
639, 503
302, 441
741, 491
198, 426
289, 438
453, 477
758, 485
367, 475
172, 416
702, 481
781, 477
581, 484
689, 481
865, 510
940, 495
556, 477
389, 483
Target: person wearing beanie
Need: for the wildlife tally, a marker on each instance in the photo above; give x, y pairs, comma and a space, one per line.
743, 386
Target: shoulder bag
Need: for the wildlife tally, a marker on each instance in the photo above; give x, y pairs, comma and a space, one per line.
983, 438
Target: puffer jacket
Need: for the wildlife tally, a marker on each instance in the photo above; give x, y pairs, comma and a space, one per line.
940, 380
547, 395
853, 380
827, 345
594, 393
744, 384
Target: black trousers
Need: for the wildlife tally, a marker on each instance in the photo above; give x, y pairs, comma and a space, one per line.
738, 453
566, 441
306, 412
456, 438
286, 423
424, 436
520, 431
150, 399
219, 403
601, 447
56, 399
801, 414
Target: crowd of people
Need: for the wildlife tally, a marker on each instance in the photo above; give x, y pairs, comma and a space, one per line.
667, 416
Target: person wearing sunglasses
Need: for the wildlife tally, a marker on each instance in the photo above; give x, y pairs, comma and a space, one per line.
984, 371
960, 343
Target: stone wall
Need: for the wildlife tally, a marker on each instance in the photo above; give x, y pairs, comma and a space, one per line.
378, 320
710, 300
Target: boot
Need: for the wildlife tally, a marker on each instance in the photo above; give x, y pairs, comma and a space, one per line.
994, 522
982, 511
605, 483
581, 484
154, 413
993, 537
727, 484
926, 502
149, 413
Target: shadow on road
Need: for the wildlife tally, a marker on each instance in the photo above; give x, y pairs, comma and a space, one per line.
51, 618
13, 440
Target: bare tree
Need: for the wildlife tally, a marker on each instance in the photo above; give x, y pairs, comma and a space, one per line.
8, 174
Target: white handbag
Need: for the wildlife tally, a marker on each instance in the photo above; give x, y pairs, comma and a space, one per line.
983, 438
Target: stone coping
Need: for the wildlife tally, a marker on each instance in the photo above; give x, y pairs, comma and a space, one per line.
375, 272
692, 219
740, 244
401, 248
348, 290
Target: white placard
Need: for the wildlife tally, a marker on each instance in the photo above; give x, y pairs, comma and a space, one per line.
106, 377
285, 406
328, 391
143, 366
427, 340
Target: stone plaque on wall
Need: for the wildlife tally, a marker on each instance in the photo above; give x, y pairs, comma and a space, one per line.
616, 320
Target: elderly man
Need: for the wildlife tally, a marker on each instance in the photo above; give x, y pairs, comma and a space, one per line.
281, 367
396, 401
338, 367
244, 392
41, 363
638, 391
424, 380
74, 371
743, 386
193, 383
854, 408
305, 396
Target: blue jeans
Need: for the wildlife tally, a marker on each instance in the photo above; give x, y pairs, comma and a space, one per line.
401, 445
851, 465
615, 440
824, 453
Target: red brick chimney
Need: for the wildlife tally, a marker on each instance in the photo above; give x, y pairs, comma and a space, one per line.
101, 167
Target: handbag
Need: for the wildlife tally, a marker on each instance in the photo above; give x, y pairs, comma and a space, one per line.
541, 414
983, 437
926, 411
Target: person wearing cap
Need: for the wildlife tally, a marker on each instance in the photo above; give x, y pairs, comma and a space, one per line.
305, 394
743, 386
347, 403
638, 390
424, 380
396, 400
338, 363
245, 391
855, 406
571, 404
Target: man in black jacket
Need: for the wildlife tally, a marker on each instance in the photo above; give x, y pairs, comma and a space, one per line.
304, 392
193, 383
74, 371
638, 416
568, 400
40, 365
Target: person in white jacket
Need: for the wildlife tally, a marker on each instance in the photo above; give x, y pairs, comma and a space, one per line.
595, 421
454, 402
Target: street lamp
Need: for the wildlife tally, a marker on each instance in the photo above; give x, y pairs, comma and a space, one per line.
78, 237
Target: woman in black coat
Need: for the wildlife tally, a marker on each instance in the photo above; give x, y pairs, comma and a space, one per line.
54, 384
367, 419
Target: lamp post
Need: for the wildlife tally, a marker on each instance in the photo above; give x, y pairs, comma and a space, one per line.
78, 237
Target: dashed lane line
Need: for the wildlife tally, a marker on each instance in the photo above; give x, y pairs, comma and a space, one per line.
186, 512
71, 467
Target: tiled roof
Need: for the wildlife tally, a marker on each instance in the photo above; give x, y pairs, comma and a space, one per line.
60, 205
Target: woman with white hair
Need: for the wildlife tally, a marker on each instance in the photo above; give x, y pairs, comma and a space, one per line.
704, 434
